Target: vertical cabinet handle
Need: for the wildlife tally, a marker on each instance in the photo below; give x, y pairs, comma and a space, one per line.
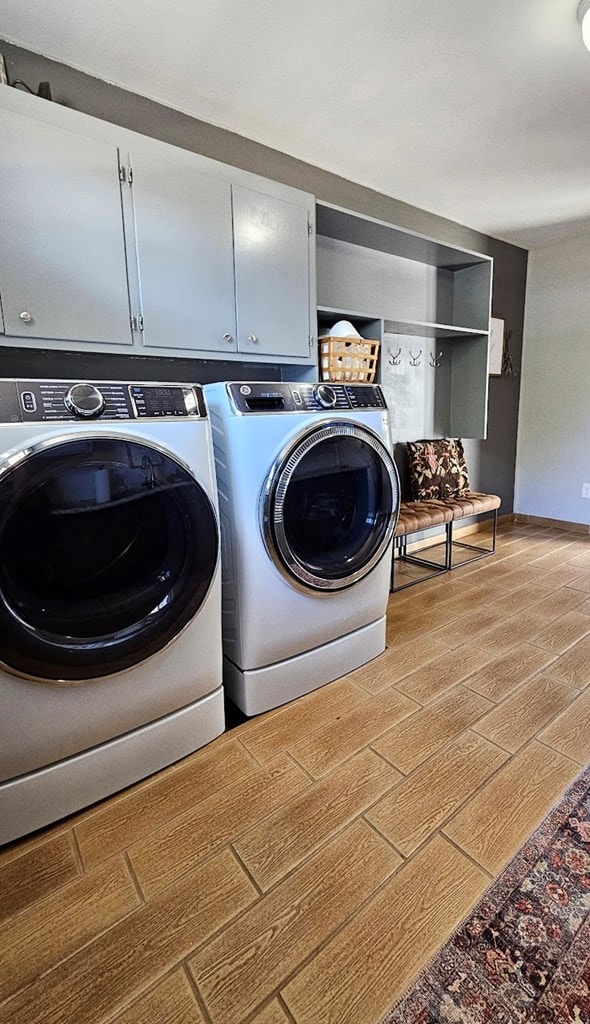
26, 316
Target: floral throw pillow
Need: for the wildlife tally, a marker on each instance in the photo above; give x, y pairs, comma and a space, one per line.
437, 469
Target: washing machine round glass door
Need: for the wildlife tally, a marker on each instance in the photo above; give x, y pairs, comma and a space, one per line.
330, 506
108, 547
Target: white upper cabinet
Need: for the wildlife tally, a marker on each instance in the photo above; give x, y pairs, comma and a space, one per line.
109, 239
184, 243
272, 264
63, 269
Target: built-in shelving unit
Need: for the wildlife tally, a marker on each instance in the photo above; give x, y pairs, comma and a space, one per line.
368, 326
427, 302
421, 329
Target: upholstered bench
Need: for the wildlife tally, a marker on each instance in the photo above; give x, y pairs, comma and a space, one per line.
418, 516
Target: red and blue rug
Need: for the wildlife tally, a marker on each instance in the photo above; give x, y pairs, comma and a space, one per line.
522, 956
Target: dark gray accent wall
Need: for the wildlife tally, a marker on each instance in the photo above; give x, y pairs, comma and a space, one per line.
492, 462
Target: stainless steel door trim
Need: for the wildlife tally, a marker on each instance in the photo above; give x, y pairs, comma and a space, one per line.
273, 494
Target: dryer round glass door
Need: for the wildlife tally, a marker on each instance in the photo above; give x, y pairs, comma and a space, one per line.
108, 547
330, 506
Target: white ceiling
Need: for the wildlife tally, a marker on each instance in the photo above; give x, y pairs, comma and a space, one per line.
478, 110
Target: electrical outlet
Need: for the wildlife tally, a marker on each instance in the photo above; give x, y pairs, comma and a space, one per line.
586, 490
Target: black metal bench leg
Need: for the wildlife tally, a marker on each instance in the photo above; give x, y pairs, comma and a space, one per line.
392, 579
401, 548
482, 552
403, 556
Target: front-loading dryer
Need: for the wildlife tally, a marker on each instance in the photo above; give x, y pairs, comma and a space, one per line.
110, 591
309, 497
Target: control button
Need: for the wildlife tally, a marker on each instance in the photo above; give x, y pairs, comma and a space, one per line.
29, 401
325, 395
296, 397
84, 400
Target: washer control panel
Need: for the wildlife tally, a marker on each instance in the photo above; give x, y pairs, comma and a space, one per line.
23, 401
323, 397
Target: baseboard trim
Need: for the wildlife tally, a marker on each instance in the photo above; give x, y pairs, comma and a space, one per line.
559, 524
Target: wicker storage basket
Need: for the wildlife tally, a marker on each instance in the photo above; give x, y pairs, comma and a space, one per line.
353, 359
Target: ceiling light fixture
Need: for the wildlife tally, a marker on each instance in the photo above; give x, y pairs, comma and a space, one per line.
584, 19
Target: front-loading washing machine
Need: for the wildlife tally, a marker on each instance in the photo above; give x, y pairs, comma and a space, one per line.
309, 497
110, 591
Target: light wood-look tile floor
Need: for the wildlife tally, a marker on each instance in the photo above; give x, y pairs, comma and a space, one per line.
305, 866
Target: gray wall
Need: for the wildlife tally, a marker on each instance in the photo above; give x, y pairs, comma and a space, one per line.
492, 462
553, 458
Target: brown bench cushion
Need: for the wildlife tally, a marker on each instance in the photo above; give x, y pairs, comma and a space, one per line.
420, 515
472, 504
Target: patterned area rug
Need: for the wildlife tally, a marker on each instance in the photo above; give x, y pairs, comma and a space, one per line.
522, 956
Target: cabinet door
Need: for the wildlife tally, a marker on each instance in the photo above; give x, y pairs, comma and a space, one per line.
63, 271
271, 241
184, 241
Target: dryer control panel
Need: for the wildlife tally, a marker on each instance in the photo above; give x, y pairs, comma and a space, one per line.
323, 397
23, 401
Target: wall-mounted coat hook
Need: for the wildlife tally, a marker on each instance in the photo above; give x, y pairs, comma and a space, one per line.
435, 360
395, 360
415, 360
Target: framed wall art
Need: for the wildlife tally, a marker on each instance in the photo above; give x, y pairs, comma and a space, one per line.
497, 332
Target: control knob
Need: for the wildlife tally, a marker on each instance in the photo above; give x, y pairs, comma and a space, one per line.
325, 396
84, 400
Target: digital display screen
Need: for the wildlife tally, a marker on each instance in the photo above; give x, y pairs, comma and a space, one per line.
163, 401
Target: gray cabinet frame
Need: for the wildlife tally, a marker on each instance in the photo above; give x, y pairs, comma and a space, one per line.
134, 147
62, 220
